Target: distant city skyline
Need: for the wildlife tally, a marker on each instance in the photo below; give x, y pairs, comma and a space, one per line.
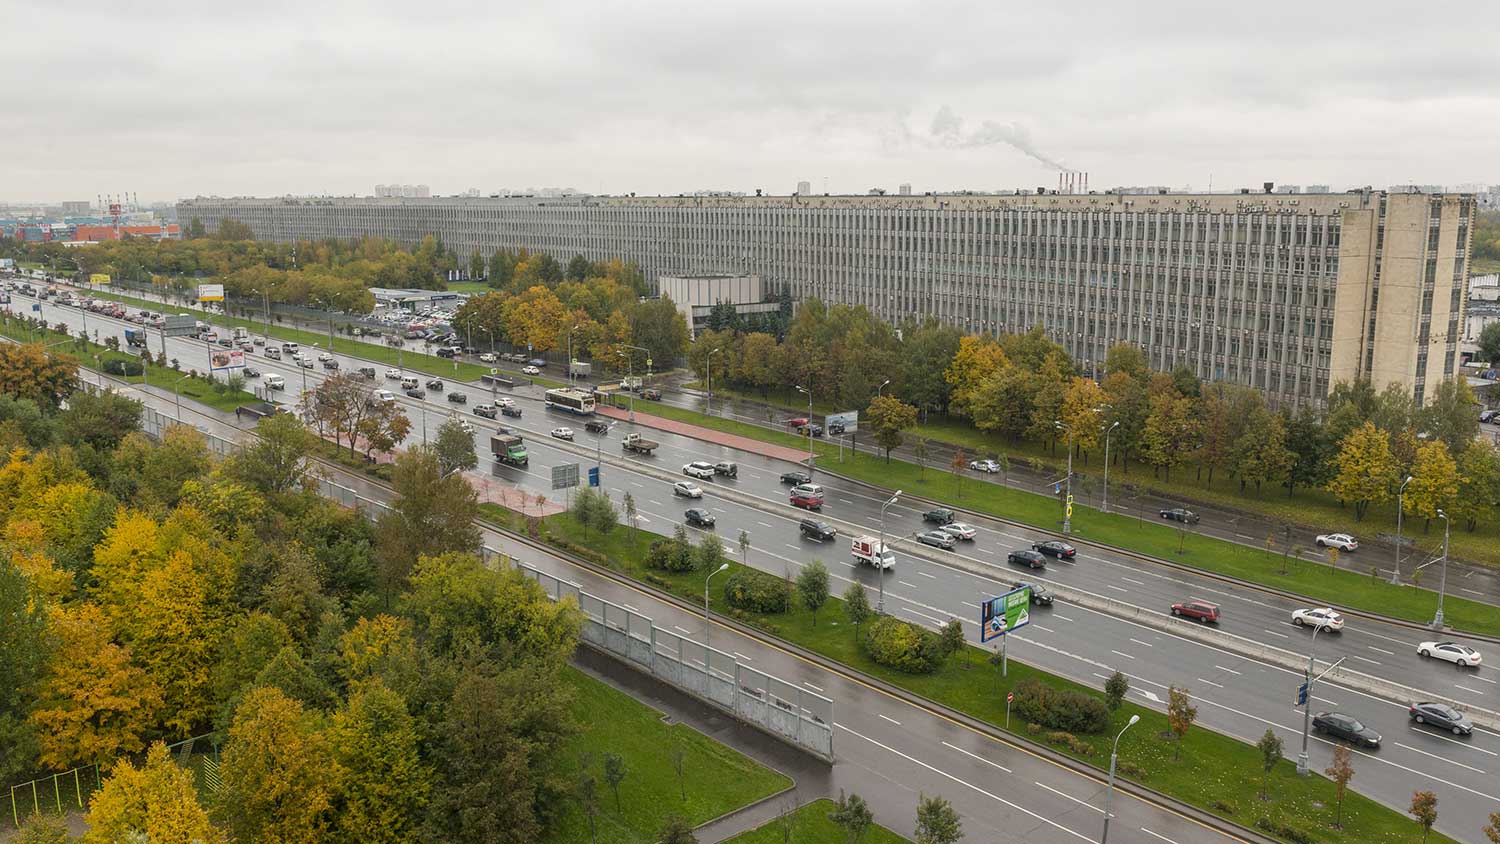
284, 98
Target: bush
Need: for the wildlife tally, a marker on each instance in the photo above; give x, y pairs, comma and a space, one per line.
670, 555
1060, 709
1132, 770
902, 645
1071, 742
1281, 830
757, 591
1223, 807
123, 366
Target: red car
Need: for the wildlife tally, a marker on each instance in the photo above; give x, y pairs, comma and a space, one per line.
796, 422
1198, 610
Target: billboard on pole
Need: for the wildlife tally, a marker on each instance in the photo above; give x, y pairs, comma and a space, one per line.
1002, 614
220, 359
99, 279
843, 423
210, 292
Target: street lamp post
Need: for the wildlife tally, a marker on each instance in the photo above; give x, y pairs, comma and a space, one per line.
1107, 432
1437, 620
570, 354
1109, 792
1396, 575
880, 552
707, 623
1309, 680
178, 397
709, 372
810, 466
1068, 505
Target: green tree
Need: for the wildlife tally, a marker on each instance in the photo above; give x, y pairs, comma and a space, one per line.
25, 644
614, 774
1451, 414
937, 822
1424, 809
1489, 343
1270, 753
1363, 469
1260, 454
658, 326
1478, 485
1340, 771
1169, 425
289, 673
857, 606
1115, 689
812, 585
1312, 450
157, 799
476, 265
277, 459
952, 635
755, 365
888, 417
431, 515
385, 785
1180, 715
100, 419
458, 608
927, 351
278, 775
853, 816
676, 831
454, 446
1434, 482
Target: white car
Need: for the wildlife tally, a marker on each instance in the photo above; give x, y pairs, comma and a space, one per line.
530, 370
1325, 618
688, 490
505, 401
307, 363
563, 433
322, 356
393, 374
1461, 655
959, 530
1341, 541
487, 357
385, 397
700, 470
984, 466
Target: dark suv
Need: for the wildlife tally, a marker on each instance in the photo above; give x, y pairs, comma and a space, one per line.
1199, 610
816, 529
941, 515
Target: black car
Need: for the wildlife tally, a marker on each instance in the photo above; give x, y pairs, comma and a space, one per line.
815, 529
938, 539
445, 352
1443, 716
596, 426
651, 394
1488, 415
835, 428
458, 398
940, 515
1040, 595
330, 364
511, 410
252, 372
1178, 514
1028, 558
699, 516
1345, 727
796, 478
368, 372
435, 384
416, 393
814, 429
1055, 548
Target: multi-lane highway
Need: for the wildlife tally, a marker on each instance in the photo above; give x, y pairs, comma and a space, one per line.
1235, 695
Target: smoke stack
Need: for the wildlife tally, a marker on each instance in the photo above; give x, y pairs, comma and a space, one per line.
1269, 186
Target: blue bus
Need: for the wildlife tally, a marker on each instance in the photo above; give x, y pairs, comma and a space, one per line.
578, 402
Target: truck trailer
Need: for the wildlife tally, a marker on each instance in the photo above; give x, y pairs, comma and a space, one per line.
509, 449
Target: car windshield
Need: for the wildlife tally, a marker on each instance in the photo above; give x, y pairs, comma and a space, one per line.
1354, 725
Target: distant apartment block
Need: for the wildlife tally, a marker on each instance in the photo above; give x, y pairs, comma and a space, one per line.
1284, 293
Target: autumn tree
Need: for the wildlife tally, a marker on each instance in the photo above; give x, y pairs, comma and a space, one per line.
174, 633
93, 705
1478, 485
1270, 753
1434, 482
1424, 809
1167, 438
937, 821
1260, 454
340, 403
889, 417
157, 799
812, 585
1082, 408
432, 514
30, 371
976, 360
535, 319
383, 427
1492, 832
755, 366
1180, 715
1364, 469
278, 773
1340, 771
385, 785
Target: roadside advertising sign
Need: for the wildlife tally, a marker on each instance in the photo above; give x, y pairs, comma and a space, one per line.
220, 359
848, 422
99, 279
1003, 614
210, 292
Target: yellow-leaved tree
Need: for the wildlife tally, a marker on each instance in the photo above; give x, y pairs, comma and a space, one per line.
1364, 469
535, 319
1434, 482
1083, 413
385, 785
157, 799
92, 704
978, 359
278, 772
174, 634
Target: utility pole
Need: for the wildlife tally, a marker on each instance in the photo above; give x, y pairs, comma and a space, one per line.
1400, 493
1306, 694
1107, 432
1437, 620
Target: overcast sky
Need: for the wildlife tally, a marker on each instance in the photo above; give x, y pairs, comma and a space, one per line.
275, 97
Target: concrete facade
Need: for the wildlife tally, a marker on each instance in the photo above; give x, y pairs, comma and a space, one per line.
1284, 293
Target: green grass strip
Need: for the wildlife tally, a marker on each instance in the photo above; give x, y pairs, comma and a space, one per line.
810, 825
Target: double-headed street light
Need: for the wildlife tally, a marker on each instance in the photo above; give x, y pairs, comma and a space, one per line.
880, 551
1107, 432
1109, 793
1437, 620
709, 373
707, 621
1400, 493
810, 466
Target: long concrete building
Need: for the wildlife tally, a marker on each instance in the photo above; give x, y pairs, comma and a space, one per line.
1285, 293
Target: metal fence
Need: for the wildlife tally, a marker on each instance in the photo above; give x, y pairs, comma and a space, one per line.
70, 791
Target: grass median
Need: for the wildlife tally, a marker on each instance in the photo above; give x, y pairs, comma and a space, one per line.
716, 779
1214, 772
1142, 532
810, 825
377, 352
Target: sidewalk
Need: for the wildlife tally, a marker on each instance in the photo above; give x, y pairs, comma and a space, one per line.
699, 432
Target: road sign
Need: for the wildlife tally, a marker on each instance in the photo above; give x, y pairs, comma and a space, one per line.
1005, 613
179, 325
565, 476
99, 278
594, 476
848, 421
1302, 694
1010, 697
210, 292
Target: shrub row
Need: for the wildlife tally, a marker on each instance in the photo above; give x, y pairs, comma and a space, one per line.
757, 591
123, 366
1281, 830
1060, 709
902, 645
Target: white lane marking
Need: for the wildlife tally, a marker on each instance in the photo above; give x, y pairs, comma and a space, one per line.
1082, 803
742, 656
637, 483
1054, 615
1470, 591
970, 785
1139, 642
888, 718
1429, 734
1132, 580
1381, 650
1158, 834
1485, 679
811, 686
845, 501
1122, 653
683, 629
1230, 670
1210, 682
907, 585
975, 606
632, 609
1439, 758
1274, 633
977, 756
1040, 627
794, 547
763, 524
1116, 588
1467, 689
925, 574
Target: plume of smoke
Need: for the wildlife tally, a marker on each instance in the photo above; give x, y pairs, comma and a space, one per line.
948, 130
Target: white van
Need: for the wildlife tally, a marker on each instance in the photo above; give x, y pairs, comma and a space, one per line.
273, 353
410, 382
290, 348
275, 382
